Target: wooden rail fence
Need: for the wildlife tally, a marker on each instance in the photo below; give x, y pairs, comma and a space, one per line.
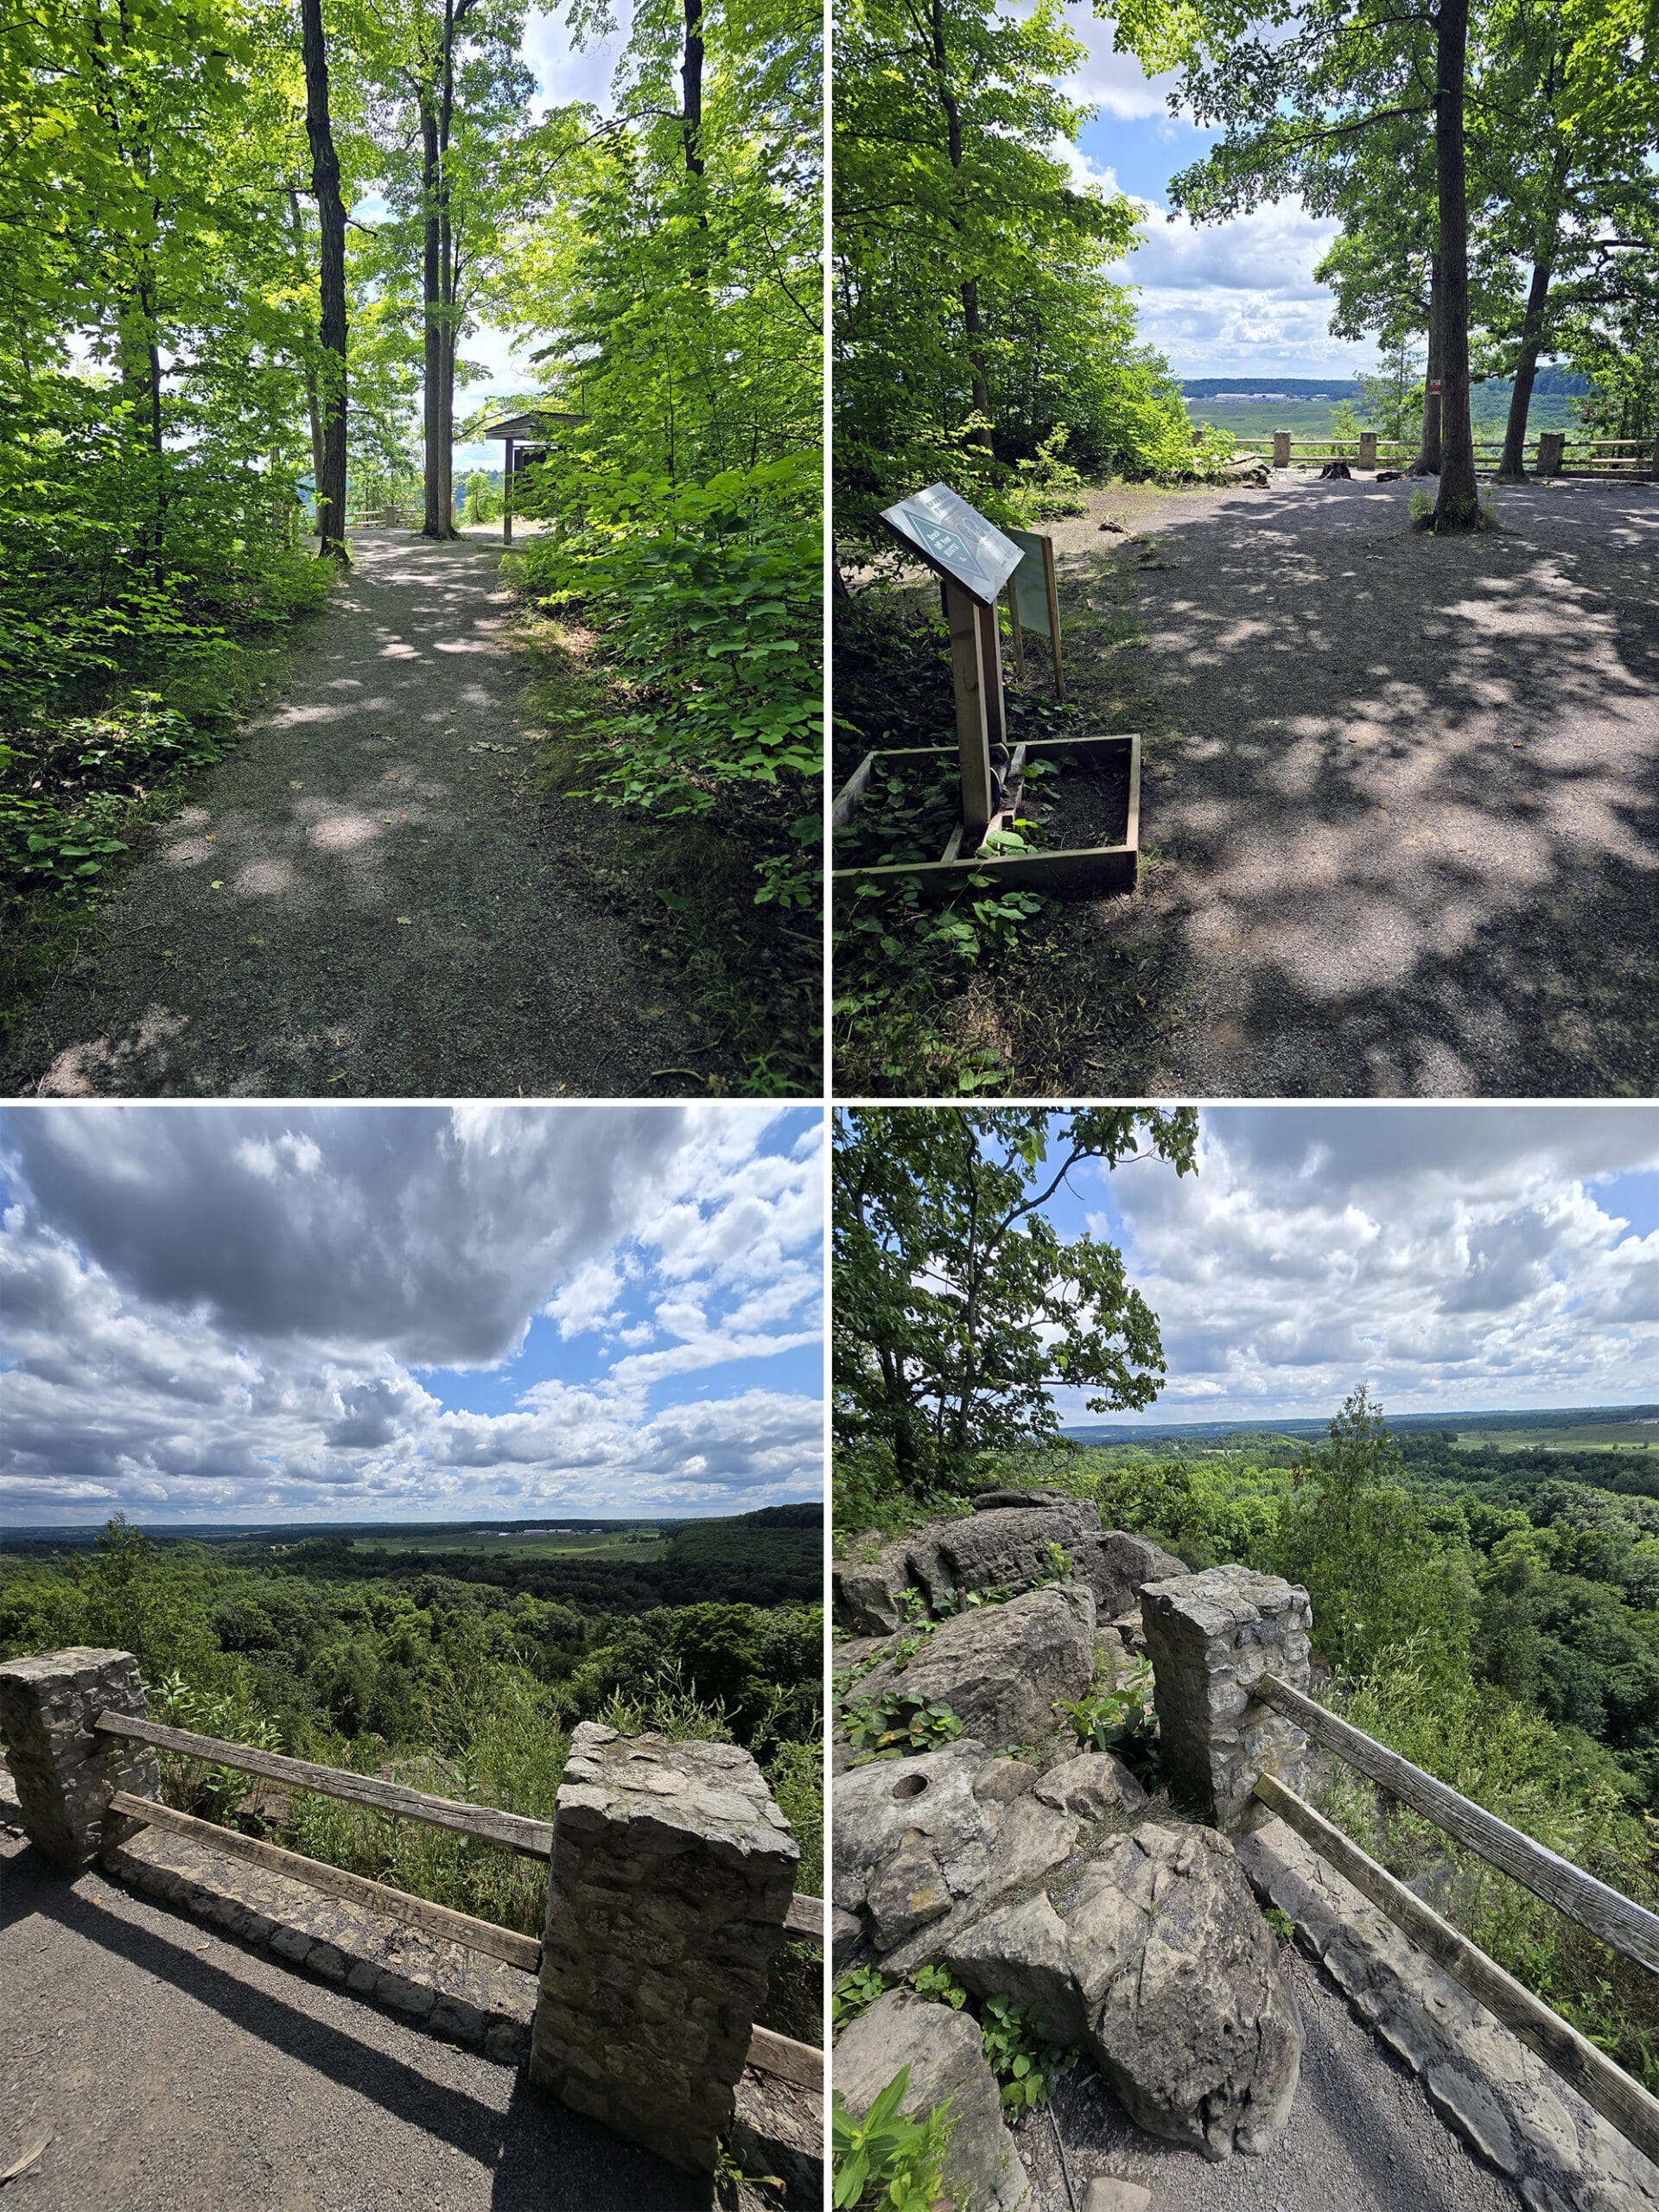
799, 2062
1635, 460
1616, 1920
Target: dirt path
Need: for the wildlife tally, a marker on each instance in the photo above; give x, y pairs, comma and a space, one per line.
1362, 2137
360, 902
1414, 808
176, 2072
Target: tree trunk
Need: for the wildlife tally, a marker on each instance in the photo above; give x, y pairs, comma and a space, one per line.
1427, 463
1512, 468
433, 511
331, 274
308, 374
691, 81
1458, 506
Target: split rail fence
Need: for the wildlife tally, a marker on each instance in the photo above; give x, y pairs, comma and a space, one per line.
794, 2062
1614, 1918
1552, 453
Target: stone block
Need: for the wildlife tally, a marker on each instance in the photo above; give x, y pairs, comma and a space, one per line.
66, 1772
1210, 1637
672, 1870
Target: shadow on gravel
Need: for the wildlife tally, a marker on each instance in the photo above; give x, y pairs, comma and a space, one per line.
541, 2154
1415, 813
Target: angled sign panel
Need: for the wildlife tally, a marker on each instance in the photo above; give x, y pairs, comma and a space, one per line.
954, 540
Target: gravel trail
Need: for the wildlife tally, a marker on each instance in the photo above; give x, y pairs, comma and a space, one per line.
1362, 2137
176, 2072
360, 902
1414, 816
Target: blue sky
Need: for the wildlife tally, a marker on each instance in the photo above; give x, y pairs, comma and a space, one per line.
258, 1312
1455, 1257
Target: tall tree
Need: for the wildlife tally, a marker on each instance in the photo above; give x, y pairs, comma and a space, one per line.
959, 1306
331, 228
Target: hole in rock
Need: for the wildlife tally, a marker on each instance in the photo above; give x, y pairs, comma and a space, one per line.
912, 1786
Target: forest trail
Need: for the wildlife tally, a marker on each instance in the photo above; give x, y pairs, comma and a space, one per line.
359, 902
1413, 811
176, 2071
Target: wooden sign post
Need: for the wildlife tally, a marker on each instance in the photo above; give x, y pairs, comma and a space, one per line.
1034, 602
976, 560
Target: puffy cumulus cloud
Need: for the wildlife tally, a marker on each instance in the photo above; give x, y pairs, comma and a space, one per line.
1455, 1258
241, 1311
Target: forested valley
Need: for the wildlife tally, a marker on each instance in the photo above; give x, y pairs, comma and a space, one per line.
246, 248
459, 1671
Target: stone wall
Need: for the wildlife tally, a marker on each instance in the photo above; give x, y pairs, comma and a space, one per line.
65, 1772
1210, 1636
672, 1870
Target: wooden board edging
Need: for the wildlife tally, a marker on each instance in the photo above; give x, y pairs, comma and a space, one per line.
1614, 1918
530, 1839
800, 2063
1620, 2100
504, 1943
804, 1920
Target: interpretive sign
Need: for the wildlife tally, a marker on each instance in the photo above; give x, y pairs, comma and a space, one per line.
1034, 602
954, 540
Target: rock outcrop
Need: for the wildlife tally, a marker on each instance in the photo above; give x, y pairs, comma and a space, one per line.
1186, 2012
1001, 1668
947, 2066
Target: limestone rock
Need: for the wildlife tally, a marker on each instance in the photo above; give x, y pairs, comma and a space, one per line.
990, 1501
947, 2065
904, 1826
1187, 2014
1001, 1667
1019, 1951
1128, 1563
1091, 1785
1108, 2194
867, 1591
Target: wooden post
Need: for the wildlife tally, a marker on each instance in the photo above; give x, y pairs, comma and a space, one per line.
1653, 463
973, 647
1552, 445
506, 498
1282, 448
1368, 448
1053, 615
1016, 635
990, 647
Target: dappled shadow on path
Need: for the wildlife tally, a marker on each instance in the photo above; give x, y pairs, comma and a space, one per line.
535, 2152
361, 899
1416, 811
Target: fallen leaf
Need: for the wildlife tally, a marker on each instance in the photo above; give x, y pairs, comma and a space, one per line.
22, 2164
216, 885
406, 921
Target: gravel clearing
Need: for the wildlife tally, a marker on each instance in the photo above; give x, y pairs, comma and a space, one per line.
361, 901
176, 2072
1413, 813
1362, 2137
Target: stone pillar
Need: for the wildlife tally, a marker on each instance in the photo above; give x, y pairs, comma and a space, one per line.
1282, 448
65, 1772
1552, 448
672, 1871
1209, 1637
1368, 448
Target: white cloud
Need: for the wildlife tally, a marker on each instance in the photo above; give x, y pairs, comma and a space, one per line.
1453, 1258
241, 1310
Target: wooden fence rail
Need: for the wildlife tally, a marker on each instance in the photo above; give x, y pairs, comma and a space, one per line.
530, 1839
1603, 2084
1616, 1919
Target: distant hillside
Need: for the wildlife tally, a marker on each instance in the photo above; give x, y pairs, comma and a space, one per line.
1403, 1424
1549, 384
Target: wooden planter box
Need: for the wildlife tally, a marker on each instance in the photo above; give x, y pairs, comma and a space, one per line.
1077, 872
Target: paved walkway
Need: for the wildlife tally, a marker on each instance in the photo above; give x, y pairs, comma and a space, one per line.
177, 2072
1413, 814
362, 900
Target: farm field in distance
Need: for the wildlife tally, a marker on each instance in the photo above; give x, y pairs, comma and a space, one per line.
523, 1543
1316, 418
